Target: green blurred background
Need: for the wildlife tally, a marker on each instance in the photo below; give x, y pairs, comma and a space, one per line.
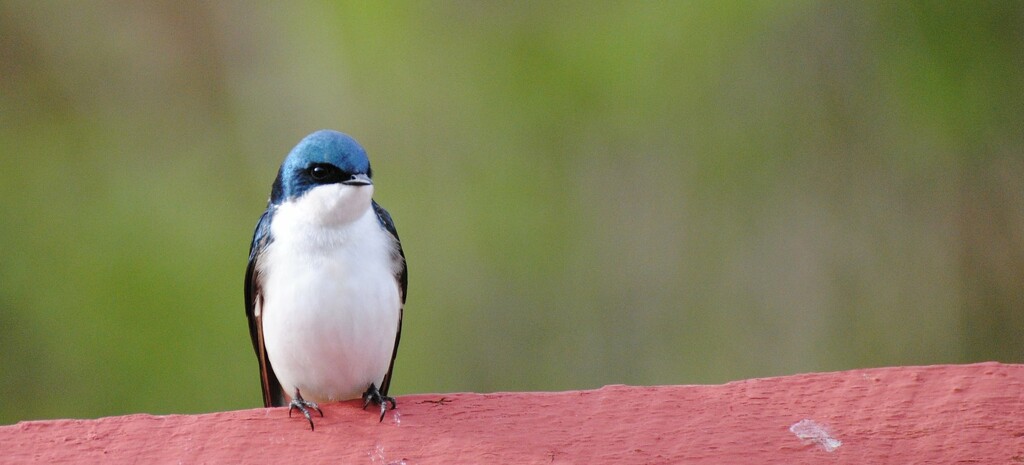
588, 192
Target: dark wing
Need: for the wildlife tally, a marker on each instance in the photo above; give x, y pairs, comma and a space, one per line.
403, 282
272, 395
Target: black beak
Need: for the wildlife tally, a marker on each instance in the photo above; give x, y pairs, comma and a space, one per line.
358, 180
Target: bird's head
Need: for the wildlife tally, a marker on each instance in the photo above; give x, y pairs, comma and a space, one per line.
328, 175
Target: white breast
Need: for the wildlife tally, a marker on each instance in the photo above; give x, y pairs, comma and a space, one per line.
330, 299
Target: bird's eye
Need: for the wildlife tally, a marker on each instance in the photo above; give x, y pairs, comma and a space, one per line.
321, 173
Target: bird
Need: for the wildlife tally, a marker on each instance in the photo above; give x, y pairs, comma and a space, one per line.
326, 282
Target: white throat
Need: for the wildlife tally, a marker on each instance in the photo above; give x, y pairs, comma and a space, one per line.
331, 205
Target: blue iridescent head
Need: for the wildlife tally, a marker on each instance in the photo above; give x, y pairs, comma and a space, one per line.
321, 158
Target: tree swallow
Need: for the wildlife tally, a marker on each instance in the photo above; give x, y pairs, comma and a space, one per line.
325, 286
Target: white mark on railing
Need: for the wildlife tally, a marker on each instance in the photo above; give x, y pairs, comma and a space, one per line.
813, 433
377, 456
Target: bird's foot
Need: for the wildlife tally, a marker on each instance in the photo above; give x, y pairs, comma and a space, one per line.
373, 395
303, 405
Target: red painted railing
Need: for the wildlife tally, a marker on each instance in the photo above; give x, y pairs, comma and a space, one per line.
933, 414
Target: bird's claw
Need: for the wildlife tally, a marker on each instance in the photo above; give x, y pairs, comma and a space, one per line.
373, 395
302, 405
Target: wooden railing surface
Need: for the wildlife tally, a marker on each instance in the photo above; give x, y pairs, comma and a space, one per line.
902, 415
